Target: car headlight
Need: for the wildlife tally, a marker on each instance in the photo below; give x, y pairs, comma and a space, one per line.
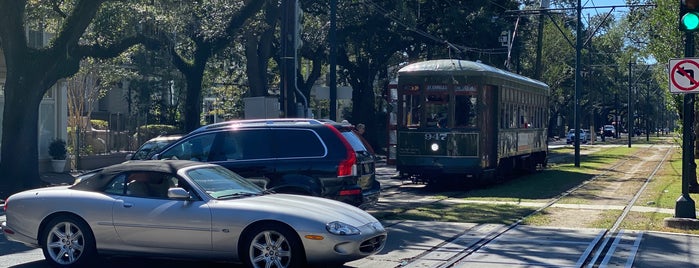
341, 228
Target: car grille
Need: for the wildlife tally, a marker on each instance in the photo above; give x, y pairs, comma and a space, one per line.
373, 244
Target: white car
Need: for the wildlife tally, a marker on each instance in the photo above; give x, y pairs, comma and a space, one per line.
186, 209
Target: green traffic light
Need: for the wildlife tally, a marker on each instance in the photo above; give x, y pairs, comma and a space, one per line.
690, 21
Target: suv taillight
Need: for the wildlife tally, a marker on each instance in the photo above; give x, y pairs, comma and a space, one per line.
348, 166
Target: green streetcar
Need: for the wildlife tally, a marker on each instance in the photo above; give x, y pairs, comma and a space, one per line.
468, 122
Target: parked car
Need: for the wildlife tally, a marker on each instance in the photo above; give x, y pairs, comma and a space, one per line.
151, 147
299, 156
584, 136
609, 131
187, 209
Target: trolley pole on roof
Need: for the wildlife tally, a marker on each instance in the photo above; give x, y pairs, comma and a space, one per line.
578, 81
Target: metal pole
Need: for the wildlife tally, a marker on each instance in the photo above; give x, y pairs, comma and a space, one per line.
684, 206
578, 83
333, 61
629, 114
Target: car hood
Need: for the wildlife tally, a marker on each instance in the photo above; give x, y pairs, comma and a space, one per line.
288, 205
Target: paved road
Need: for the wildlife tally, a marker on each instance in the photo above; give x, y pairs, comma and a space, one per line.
434, 244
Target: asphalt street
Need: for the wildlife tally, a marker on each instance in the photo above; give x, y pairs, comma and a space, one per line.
444, 244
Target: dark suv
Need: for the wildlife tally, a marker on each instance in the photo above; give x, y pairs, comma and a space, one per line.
299, 156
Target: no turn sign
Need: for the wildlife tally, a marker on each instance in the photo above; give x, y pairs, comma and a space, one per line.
684, 75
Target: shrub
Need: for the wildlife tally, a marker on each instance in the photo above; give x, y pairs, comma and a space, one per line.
147, 132
57, 149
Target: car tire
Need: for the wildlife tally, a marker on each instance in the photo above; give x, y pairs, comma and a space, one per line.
67, 241
274, 245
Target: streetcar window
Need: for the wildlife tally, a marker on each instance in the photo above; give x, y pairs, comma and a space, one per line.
436, 108
411, 111
465, 111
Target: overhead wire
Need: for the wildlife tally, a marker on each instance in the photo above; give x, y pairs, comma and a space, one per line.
414, 29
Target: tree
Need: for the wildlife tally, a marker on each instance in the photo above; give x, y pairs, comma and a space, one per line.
83, 92
375, 36
32, 71
207, 30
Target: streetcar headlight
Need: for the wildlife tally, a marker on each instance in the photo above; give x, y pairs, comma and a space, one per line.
434, 147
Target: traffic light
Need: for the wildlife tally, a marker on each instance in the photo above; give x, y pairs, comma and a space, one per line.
689, 15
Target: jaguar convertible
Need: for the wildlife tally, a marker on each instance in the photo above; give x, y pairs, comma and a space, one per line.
192, 210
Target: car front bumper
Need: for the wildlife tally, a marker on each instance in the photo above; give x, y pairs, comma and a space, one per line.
347, 248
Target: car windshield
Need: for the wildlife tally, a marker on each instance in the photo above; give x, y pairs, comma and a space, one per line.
221, 183
150, 148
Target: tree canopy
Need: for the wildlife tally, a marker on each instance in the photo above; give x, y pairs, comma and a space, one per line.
232, 49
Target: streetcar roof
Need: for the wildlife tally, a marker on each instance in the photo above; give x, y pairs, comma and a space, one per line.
468, 68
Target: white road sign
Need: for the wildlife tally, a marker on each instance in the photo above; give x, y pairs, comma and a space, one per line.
684, 75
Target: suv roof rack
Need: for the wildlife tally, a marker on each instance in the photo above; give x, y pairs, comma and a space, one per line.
260, 122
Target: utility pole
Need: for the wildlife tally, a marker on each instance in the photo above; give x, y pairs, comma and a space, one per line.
286, 94
630, 105
332, 76
689, 23
578, 81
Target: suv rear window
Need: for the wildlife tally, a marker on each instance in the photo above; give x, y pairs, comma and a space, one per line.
299, 143
354, 141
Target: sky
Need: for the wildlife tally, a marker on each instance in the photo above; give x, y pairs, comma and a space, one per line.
588, 4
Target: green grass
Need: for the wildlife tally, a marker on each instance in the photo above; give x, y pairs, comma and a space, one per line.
662, 192
666, 186
447, 212
554, 180
537, 187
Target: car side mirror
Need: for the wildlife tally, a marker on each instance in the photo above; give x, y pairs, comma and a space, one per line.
128, 156
155, 157
178, 193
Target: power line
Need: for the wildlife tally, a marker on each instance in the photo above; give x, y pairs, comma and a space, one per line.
413, 28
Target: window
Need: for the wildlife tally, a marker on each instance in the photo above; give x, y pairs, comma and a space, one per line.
436, 109
243, 144
466, 111
116, 186
142, 184
298, 143
411, 110
195, 148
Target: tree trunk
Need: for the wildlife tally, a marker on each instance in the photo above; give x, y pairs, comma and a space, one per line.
192, 107
19, 168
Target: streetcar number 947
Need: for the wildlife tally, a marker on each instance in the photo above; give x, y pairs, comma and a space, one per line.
436, 136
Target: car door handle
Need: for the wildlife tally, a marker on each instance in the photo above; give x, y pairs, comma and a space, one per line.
128, 205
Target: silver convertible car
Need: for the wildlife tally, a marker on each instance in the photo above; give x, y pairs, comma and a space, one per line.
191, 210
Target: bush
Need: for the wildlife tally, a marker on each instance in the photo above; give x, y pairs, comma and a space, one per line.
147, 132
57, 149
99, 124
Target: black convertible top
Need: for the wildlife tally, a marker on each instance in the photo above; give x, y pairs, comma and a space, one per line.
97, 179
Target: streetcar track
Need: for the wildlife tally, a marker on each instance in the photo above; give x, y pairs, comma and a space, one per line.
599, 246
627, 209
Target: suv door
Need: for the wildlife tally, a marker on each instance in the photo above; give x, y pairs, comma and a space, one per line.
247, 152
301, 166
195, 148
